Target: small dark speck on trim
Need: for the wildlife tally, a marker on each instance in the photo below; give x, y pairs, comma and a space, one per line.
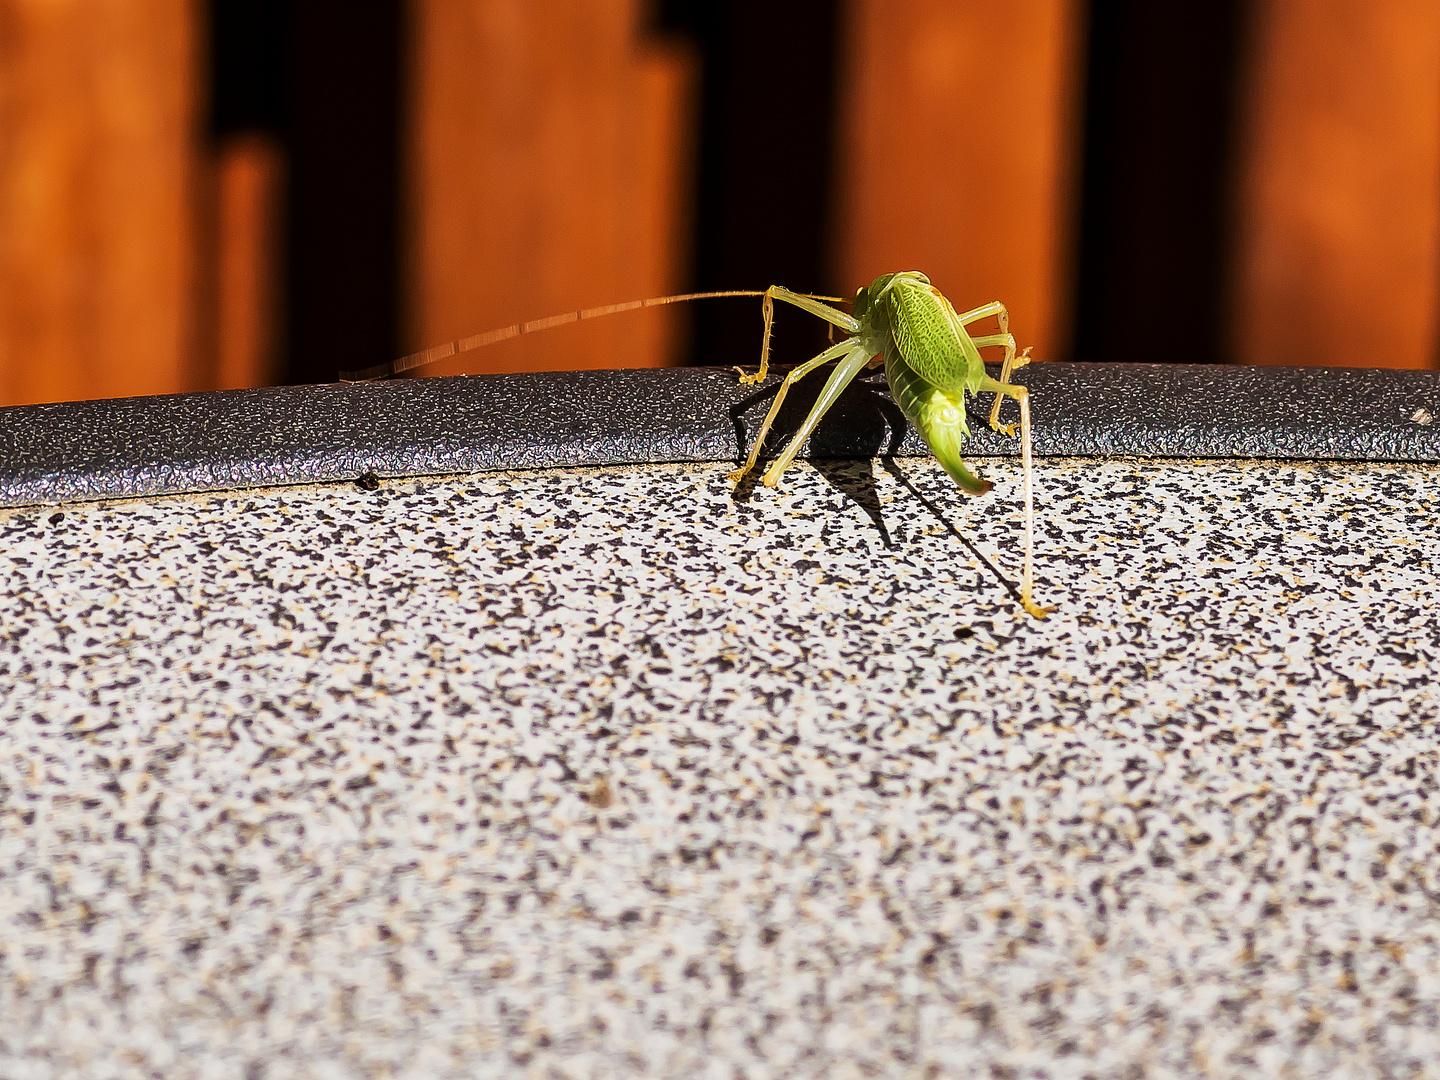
55, 519
368, 482
963, 632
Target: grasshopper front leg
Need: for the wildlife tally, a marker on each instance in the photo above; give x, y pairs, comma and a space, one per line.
832, 315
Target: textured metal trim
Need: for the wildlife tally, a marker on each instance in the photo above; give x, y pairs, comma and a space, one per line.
77, 451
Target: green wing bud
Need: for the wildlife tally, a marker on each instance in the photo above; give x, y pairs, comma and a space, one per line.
928, 334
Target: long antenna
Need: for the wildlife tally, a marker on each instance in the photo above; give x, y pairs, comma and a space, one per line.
490, 337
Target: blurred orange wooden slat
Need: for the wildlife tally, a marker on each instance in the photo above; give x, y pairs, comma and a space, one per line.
97, 114
1338, 258
958, 120
547, 171
249, 179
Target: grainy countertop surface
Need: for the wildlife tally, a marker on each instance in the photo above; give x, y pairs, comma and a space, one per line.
602, 773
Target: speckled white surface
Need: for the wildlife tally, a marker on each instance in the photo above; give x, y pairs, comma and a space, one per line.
597, 773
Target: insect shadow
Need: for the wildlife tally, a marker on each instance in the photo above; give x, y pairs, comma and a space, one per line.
863, 425
862, 422
894, 470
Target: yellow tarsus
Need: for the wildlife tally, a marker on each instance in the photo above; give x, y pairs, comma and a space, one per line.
768, 310
1035, 609
1011, 363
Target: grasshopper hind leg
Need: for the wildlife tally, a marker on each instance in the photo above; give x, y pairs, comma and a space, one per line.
790, 380
1027, 577
852, 359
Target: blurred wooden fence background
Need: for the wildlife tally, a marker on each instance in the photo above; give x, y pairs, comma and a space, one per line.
548, 163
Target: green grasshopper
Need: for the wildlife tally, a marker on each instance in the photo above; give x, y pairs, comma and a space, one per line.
931, 361
900, 320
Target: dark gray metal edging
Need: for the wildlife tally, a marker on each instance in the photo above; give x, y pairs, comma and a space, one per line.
127, 447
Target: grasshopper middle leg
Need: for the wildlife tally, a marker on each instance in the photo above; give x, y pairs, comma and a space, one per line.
1011, 361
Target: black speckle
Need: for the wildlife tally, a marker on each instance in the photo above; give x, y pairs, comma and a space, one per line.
56, 518
368, 482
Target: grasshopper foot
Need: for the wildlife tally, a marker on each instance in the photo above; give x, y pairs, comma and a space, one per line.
751, 379
1034, 608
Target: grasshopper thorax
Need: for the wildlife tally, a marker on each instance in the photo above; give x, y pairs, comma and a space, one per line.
869, 299
874, 309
